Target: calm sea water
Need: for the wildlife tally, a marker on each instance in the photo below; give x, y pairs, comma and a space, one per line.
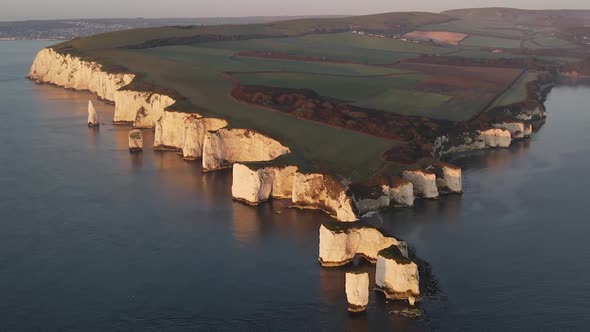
93, 238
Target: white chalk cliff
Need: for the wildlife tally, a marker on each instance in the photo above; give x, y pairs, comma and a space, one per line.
401, 193
184, 132
141, 109
482, 139
340, 244
448, 177
397, 276
424, 183
92, 115
518, 130
357, 291
135, 140
322, 192
252, 186
224, 147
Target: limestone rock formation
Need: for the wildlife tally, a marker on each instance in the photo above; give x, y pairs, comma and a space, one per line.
92, 115
424, 183
135, 140
177, 131
397, 276
497, 138
377, 199
448, 177
322, 192
251, 186
72, 72
357, 291
518, 130
341, 242
224, 147
401, 192
141, 109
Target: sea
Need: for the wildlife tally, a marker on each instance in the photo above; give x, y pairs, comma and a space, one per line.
93, 238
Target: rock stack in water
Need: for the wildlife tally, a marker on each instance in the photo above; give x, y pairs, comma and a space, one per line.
92, 115
397, 276
357, 291
135, 140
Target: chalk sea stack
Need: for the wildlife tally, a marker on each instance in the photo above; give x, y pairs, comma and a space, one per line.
92, 115
397, 276
357, 291
135, 141
341, 242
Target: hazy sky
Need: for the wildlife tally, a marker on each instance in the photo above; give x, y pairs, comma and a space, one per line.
42, 9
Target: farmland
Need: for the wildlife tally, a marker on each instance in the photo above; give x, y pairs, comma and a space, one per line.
340, 92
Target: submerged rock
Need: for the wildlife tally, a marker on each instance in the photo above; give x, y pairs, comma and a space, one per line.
424, 183
341, 242
135, 140
397, 276
448, 177
357, 291
92, 115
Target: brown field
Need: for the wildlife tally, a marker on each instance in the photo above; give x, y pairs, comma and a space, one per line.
449, 78
444, 37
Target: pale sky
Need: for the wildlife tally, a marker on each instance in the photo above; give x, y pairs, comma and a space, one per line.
47, 9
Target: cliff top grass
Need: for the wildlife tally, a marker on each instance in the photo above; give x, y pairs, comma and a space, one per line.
373, 70
394, 253
344, 227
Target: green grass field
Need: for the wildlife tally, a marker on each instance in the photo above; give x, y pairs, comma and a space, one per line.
366, 71
490, 42
517, 93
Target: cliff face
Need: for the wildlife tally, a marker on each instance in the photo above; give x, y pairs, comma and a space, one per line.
479, 140
184, 132
339, 247
73, 73
141, 109
357, 291
322, 192
397, 278
224, 147
424, 183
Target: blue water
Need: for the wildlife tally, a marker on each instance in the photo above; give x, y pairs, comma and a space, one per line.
93, 238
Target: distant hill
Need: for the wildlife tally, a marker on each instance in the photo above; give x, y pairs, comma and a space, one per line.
541, 18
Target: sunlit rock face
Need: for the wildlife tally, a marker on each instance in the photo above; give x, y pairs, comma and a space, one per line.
448, 177
397, 276
497, 138
322, 192
92, 115
135, 140
340, 243
401, 192
224, 147
142, 109
528, 130
73, 73
517, 129
444, 145
184, 132
357, 291
252, 186
424, 183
